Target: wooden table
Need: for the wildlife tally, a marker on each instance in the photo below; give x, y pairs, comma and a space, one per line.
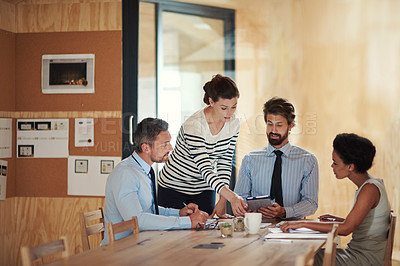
175, 247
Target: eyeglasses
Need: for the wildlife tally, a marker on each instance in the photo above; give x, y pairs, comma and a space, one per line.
206, 226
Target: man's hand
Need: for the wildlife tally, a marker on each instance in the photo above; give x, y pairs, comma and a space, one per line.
188, 210
274, 211
198, 217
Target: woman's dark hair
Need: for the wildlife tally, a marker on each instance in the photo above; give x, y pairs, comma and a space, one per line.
219, 87
353, 149
147, 131
279, 106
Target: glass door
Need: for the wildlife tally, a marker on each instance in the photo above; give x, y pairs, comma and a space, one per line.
192, 51
170, 49
191, 43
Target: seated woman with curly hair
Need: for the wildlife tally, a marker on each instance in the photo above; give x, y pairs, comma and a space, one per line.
368, 220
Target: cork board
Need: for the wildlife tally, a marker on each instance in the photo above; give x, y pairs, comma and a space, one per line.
107, 47
47, 177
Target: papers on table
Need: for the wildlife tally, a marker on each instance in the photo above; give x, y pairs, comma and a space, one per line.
265, 225
304, 230
300, 233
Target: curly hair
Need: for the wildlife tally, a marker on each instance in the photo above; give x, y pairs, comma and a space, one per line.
353, 149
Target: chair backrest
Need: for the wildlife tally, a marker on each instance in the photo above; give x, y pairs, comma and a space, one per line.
30, 254
387, 261
330, 247
113, 229
306, 259
87, 230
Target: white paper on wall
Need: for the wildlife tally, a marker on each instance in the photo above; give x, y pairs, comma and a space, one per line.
5, 137
42, 138
87, 175
84, 132
3, 179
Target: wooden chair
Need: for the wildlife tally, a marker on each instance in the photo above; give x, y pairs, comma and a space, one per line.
306, 259
387, 261
30, 254
330, 247
113, 229
88, 230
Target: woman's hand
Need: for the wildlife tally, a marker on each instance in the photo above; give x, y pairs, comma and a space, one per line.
220, 209
291, 225
239, 207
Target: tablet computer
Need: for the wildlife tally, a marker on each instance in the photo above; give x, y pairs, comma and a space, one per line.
254, 203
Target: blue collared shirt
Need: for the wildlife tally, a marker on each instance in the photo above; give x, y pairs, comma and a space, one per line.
299, 178
129, 193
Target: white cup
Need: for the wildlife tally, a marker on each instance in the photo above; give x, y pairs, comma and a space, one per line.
252, 222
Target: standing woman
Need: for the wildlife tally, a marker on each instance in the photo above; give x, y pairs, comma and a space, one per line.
201, 162
368, 220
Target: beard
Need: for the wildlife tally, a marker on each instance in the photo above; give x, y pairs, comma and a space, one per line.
160, 159
280, 138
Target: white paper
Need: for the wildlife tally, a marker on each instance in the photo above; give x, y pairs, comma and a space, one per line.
296, 236
42, 138
304, 230
265, 225
84, 132
5, 137
295, 231
92, 183
276, 233
3, 179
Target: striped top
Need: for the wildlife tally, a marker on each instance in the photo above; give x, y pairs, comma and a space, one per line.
299, 178
200, 161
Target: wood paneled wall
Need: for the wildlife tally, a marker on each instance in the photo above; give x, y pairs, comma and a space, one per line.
63, 16
34, 220
7, 16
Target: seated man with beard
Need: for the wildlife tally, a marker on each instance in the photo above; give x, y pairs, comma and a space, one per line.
287, 173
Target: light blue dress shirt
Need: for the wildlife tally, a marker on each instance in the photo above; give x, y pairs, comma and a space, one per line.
129, 193
299, 178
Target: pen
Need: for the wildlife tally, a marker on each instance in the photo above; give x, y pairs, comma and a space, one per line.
327, 219
280, 240
185, 205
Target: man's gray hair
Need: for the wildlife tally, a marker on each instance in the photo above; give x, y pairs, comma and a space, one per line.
147, 131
